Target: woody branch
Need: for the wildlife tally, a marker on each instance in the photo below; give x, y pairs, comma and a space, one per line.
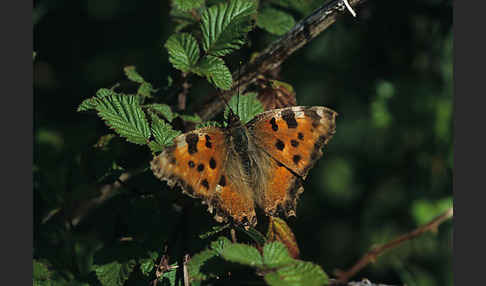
275, 54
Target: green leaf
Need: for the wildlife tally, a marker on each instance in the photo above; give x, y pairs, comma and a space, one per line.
182, 19
191, 118
162, 132
246, 106
197, 261
114, 273
162, 109
123, 114
275, 21
275, 254
185, 5
88, 104
145, 89
243, 254
133, 75
225, 25
220, 244
300, 273
208, 124
183, 51
103, 92
215, 71
41, 273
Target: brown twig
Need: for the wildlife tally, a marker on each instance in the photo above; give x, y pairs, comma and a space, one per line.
274, 55
181, 97
372, 255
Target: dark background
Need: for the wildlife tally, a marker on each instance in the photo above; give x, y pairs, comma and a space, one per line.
388, 169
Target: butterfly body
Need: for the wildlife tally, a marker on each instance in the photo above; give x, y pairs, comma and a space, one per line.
261, 163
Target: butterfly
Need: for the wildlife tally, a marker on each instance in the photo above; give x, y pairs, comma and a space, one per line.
262, 163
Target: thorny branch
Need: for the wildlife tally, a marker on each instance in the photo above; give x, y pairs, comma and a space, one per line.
274, 55
373, 254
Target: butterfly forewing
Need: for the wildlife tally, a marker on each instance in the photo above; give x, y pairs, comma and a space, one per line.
294, 136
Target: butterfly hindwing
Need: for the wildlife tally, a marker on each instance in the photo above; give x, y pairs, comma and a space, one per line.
294, 136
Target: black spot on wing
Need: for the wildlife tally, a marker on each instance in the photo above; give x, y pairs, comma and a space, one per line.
191, 140
205, 183
208, 141
200, 167
289, 116
222, 181
294, 143
191, 164
274, 124
301, 136
296, 159
280, 145
212, 163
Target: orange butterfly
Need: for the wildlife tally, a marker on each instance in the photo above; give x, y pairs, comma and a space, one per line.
263, 162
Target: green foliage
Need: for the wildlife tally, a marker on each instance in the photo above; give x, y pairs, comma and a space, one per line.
245, 106
275, 21
389, 162
224, 26
162, 132
41, 275
114, 273
185, 5
243, 254
123, 114
275, 254
216, 72
296, 274
183, 51
162, 109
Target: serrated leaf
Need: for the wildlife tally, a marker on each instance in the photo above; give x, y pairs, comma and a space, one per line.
224, 26
243, 254
246, 106
88, 104
103, 92
275, 21
185, 5
208, 124
275, 254
191, 118
162, 109
183, 51
215, 71
162, 132
132, 74
182, 19
300, 273
123, 114
220, 244
197, 261
114, 273
145, 89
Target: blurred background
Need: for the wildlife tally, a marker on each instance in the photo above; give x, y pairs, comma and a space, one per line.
388, 169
